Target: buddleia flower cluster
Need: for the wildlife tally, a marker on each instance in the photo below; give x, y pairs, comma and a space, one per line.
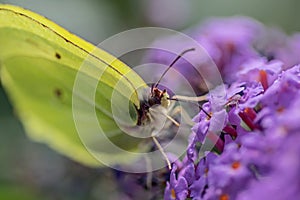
257, 154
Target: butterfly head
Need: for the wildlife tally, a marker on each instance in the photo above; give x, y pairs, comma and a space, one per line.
155, 98
159, 97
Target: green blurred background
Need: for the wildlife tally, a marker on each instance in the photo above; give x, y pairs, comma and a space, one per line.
33, 171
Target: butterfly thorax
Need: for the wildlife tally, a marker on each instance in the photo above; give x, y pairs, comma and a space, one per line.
156, 97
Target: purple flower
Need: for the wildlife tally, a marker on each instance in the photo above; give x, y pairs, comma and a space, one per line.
254, 128
260, 71
229, 41
219, 177
176, 189
189, 173
208, 127
274, 44
282, 180
199, 186
278, 97
202, 121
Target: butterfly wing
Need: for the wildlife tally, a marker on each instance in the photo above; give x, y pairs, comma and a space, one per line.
40, 63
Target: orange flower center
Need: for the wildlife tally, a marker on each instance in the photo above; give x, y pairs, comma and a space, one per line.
235, 165
173, 194
280, 109
224, 197
263, 79
206, 171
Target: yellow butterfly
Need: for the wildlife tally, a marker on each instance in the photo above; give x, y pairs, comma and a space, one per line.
75, 97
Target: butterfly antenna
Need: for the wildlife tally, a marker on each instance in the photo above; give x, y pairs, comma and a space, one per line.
171, 65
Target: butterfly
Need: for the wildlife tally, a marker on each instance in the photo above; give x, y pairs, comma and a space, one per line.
77, 98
